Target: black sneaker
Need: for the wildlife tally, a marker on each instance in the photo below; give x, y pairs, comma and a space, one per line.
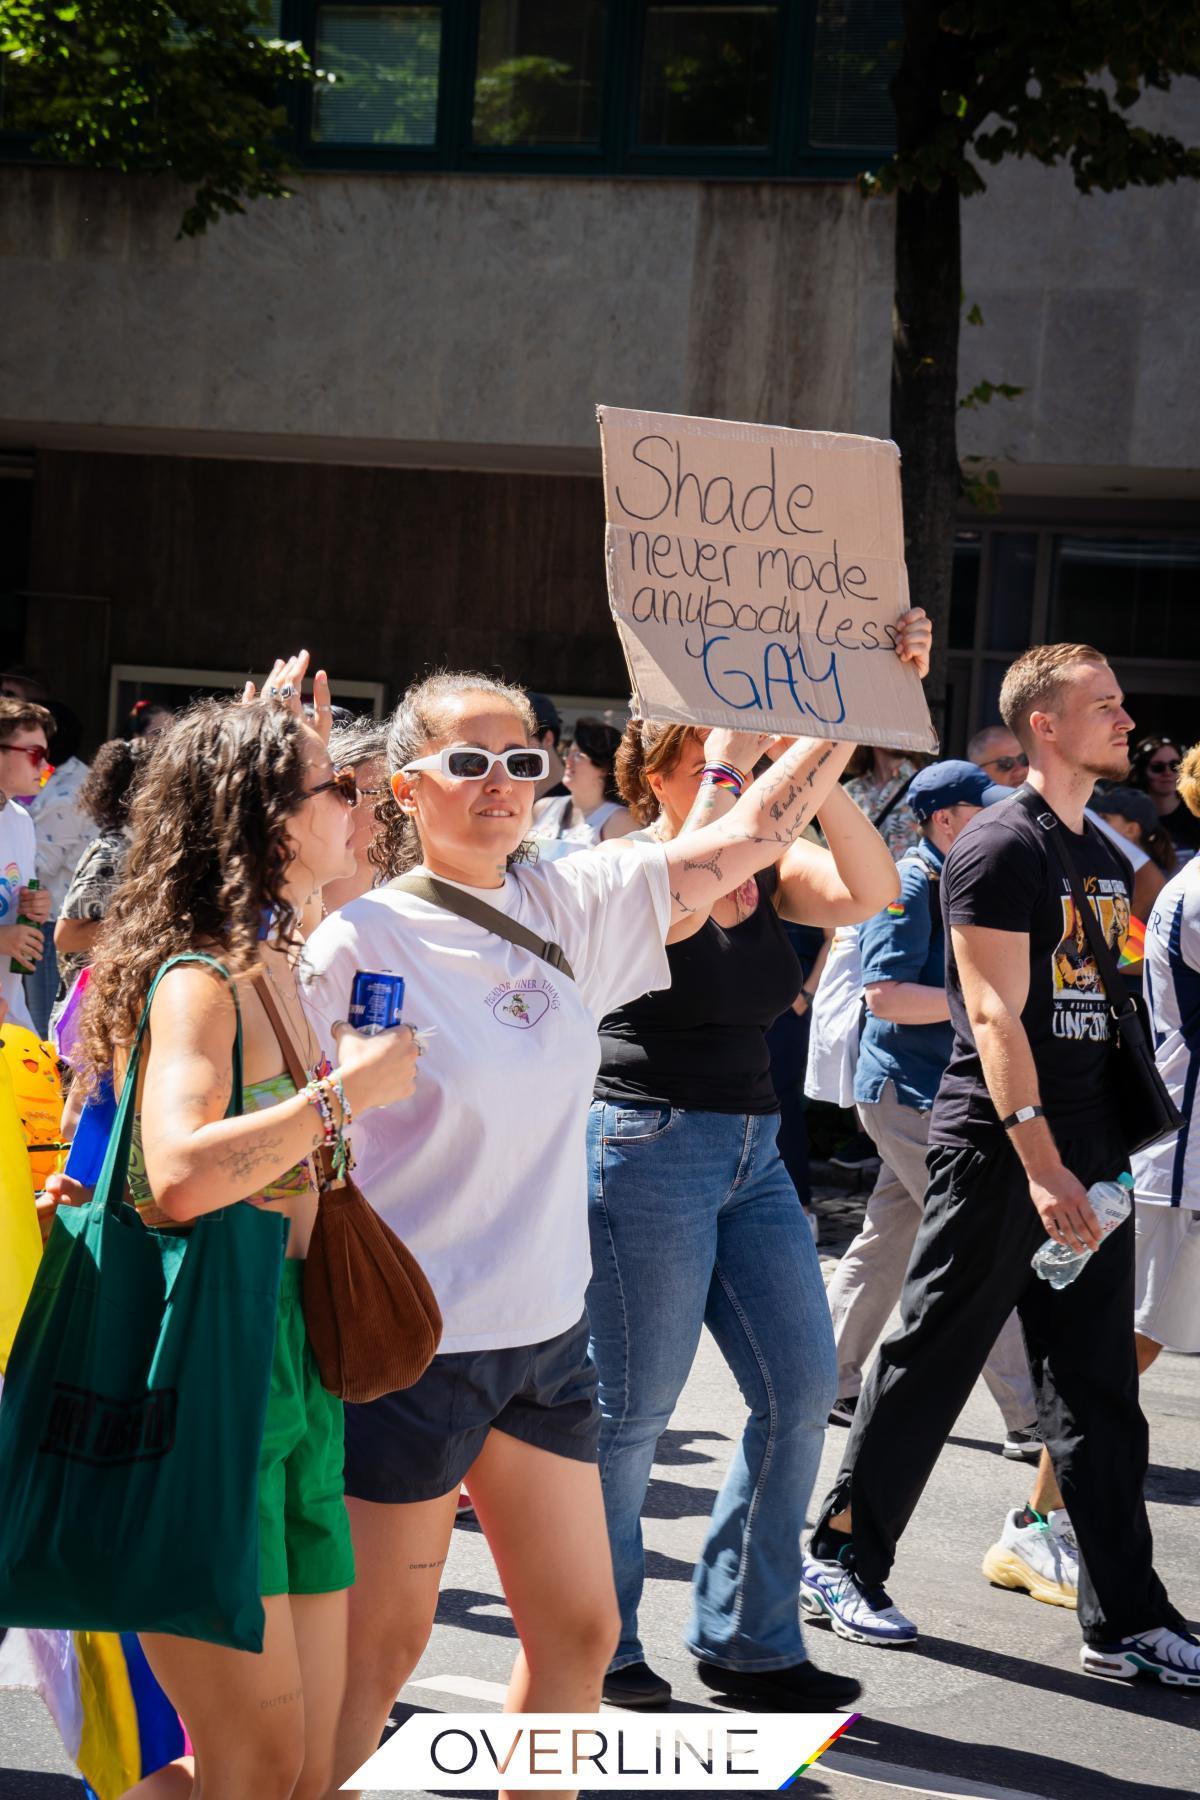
842, 1412
801, 1687
1022, 1446
637, 1686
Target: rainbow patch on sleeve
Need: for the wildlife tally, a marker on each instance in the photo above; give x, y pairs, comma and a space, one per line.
896, 910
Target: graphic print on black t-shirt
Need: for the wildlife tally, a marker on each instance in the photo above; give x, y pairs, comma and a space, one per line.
999, 874
1080, 1006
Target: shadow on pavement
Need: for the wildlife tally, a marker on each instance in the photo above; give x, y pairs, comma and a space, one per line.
673, 1451
1145, 1699
990, 1765
1165, 1486
1173, 1487
676, 1500
458, 1606
667, 1568
35, 1784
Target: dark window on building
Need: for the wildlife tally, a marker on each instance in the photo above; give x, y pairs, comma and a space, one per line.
1014, 567
1134, 593
1130, 596
665, 87
386, 63
964, 588
707, 77
853, 62
538, 73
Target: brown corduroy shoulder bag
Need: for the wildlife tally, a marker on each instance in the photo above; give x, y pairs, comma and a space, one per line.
372, 1318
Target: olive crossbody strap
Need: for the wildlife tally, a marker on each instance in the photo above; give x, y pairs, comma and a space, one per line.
452, 899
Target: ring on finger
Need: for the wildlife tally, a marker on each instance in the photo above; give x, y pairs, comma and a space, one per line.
286, 691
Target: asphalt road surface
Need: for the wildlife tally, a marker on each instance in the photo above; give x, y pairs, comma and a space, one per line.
991, 1702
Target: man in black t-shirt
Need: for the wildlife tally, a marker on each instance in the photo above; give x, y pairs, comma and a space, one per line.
1023, 1124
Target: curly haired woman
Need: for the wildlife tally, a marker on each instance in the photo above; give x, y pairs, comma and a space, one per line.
239, 819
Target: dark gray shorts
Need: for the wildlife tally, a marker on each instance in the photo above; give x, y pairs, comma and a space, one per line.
418, 1444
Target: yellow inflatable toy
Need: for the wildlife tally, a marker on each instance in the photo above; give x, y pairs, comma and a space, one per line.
20, 1239
37, 1088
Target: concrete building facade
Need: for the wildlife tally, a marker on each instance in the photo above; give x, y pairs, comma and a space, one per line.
363, 418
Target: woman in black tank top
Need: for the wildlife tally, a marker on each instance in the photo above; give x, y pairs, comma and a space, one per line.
694, 1221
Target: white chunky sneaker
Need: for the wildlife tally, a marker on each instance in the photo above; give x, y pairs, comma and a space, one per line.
833, 1595
1172, 1657
1040, 1559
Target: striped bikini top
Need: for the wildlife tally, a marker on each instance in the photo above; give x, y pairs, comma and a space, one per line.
255, 1098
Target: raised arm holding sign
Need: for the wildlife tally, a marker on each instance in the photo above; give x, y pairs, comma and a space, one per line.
757, 578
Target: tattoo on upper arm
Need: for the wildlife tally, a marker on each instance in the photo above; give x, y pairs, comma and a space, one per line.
711, 864
214, 1097
681, 904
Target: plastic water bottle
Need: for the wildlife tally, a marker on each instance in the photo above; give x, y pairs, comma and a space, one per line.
1111, 1201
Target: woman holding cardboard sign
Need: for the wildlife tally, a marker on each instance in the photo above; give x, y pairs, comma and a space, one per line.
486, 1173
694, 1221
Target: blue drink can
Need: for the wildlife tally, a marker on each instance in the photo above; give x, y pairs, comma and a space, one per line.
376, 1001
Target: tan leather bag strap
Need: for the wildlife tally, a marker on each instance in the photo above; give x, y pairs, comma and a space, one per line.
489, 918
293, 1062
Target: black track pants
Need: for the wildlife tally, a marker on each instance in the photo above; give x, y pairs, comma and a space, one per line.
970, 1266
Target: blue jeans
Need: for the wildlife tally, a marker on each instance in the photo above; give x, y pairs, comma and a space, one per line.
695, 1222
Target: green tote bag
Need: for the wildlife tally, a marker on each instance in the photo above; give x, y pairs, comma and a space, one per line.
133, 1412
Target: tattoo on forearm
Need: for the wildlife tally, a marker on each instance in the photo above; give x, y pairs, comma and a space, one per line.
243, 1159
779, 807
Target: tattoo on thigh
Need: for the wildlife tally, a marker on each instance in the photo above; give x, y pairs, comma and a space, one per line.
439, 1564
292, 1695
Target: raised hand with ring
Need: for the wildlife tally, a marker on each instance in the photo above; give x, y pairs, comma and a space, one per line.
285, 683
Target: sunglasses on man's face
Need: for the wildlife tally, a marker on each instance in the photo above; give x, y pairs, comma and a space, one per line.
35, 752
1006, 764
344, 781
473, 764
1163, 768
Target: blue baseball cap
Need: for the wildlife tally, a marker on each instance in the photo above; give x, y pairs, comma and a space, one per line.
952, 783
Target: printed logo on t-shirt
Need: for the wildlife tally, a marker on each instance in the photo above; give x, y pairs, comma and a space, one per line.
1080, 1006
10, 881
522, 1004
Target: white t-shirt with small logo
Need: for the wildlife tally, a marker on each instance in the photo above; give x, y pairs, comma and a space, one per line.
18, 863
483, 1172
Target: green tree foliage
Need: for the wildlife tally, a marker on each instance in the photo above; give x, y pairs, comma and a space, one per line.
979, 81
189, 89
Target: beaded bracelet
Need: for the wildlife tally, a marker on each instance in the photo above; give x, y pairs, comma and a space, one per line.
317, 1094
724, 775
339, 1090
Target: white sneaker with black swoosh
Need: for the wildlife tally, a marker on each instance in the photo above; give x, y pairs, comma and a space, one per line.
1172, 1657
833, 1595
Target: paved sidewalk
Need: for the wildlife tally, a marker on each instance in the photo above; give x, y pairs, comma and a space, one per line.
991, 1702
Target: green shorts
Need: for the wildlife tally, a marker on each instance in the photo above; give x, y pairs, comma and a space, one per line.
303, 1532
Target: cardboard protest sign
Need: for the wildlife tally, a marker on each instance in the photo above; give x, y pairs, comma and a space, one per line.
756, 575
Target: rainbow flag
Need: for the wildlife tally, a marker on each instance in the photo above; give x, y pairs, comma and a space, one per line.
116, 1724
1133, 944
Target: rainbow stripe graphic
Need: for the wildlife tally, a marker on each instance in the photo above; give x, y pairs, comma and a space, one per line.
851, 1719
896, 909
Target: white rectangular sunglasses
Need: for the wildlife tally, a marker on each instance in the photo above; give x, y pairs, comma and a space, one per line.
472, 764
